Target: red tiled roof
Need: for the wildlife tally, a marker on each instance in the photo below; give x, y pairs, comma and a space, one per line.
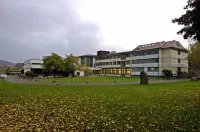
161, 45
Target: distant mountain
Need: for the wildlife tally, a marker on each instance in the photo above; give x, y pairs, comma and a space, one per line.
6, 63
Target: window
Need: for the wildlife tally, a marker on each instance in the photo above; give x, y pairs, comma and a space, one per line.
114, 63
128, 62
179, 61
152, 69
36, 63
179, 69
110, 57
179, 52
138, 69
110, 63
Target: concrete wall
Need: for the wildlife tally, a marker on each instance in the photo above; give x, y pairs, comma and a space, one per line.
168, 59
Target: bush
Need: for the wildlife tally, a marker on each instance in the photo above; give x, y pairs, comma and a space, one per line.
167, 73
35, 75
179, 74
29, 74
185, 75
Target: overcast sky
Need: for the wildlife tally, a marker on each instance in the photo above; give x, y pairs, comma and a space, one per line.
34, 28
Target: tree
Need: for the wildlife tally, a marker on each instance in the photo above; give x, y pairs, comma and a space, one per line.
7, 70
190, 20
70, 63
194, 57
54, 63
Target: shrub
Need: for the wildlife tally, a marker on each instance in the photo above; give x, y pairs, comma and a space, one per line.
167, 73
185, 75
179, 74
29, 74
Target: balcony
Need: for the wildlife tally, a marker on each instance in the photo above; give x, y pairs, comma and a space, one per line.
123, 58
123, 65
145, 65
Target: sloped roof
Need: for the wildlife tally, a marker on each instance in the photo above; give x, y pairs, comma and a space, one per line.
161, 45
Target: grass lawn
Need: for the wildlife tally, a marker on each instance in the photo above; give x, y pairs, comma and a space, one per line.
94, 79
154, 107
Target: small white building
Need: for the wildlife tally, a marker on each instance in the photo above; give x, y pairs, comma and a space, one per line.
34, 65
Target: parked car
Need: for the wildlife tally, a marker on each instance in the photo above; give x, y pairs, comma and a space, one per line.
3, 75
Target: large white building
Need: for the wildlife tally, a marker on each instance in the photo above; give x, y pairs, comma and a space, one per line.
34, 65
151, 58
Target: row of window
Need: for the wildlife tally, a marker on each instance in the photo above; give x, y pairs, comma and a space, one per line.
148, 69
113, 57
113, 63
123, 56
140, 53
148, 52
141, 61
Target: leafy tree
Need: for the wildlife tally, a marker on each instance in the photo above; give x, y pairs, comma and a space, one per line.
54, 63
71, 64
190, 20
7, 70
2, 69
194, 57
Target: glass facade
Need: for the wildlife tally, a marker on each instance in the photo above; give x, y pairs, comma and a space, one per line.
87, 61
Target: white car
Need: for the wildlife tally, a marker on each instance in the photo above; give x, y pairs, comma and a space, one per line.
3, 75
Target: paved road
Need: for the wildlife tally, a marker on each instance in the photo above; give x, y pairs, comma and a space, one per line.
16, 79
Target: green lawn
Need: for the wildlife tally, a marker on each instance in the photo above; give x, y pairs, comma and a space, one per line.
154, 107
94, 79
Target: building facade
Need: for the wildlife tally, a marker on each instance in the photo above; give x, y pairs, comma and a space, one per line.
34, 65
151, 58
87, 60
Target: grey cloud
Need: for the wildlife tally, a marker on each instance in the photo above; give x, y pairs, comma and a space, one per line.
31, 29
